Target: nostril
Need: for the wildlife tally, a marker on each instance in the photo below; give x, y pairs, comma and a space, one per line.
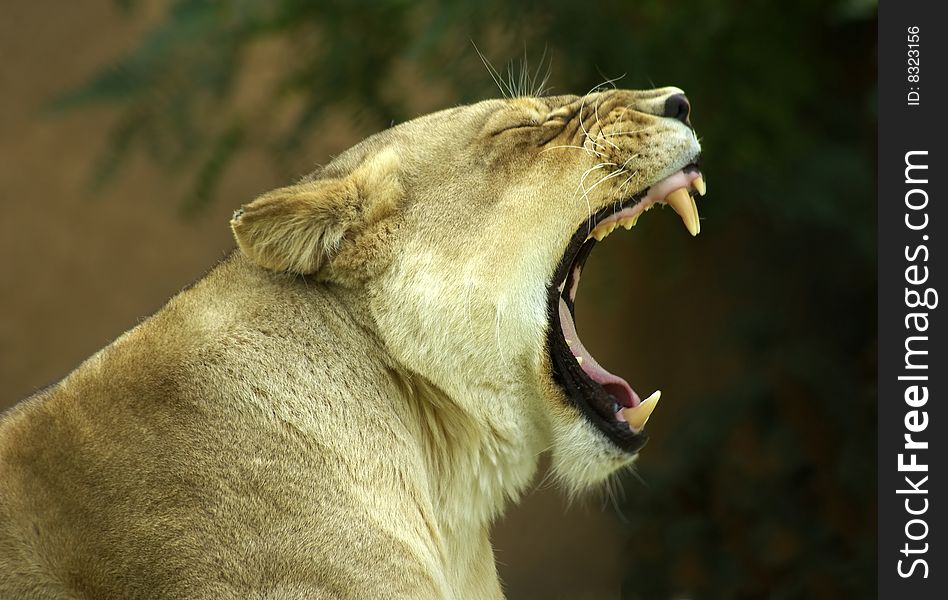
678, 107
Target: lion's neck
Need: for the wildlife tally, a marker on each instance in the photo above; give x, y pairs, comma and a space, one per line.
478, 463
475, 462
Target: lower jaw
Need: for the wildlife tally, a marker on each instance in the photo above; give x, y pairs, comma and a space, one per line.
581, 392
589, 397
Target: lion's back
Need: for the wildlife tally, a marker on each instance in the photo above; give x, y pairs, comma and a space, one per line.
178, 462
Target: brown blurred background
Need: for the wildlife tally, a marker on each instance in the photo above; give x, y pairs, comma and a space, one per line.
120, 168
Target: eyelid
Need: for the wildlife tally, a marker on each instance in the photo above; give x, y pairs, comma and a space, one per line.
513, 127
565, 112
559, 116
534, 121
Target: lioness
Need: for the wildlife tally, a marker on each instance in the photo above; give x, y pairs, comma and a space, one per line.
342, 407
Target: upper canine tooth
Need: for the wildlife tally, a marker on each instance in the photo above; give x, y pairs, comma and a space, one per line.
637, 415
694, 207
700, 186
681, 201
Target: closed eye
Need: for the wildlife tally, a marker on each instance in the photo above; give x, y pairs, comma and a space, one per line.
564, 114
513, 127
523, 122
551, 122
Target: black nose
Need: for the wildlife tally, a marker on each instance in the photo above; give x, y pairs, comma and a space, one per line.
677, 107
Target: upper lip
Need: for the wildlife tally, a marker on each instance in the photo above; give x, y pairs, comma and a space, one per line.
672, 190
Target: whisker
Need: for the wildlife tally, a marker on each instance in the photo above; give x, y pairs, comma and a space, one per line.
626, 182
510, 83
615, 134
631, 158
587, 150
582, 125
582, 185
540, 90
606, 178
610, 82
525, 87
491, 71
601, 134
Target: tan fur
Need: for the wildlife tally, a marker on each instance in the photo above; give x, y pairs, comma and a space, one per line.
342, 408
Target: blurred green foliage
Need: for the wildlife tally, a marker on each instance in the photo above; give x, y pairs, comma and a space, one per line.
771, 493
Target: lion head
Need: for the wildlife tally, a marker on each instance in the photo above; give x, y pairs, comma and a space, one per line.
466, 231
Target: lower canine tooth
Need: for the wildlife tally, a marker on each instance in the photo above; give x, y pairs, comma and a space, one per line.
579, 359
685, 206
638, 415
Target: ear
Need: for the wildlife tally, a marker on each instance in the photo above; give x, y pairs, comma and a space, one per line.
299, 228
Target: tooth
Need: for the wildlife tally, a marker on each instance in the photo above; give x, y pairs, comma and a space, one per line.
603, 230
569, 342
700, 186
684, 205
638, 415
579, 359
694, 207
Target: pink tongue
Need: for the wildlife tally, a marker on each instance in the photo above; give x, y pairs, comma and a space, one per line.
613, 384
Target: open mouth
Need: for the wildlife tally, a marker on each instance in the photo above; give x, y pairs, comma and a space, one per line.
607, 400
